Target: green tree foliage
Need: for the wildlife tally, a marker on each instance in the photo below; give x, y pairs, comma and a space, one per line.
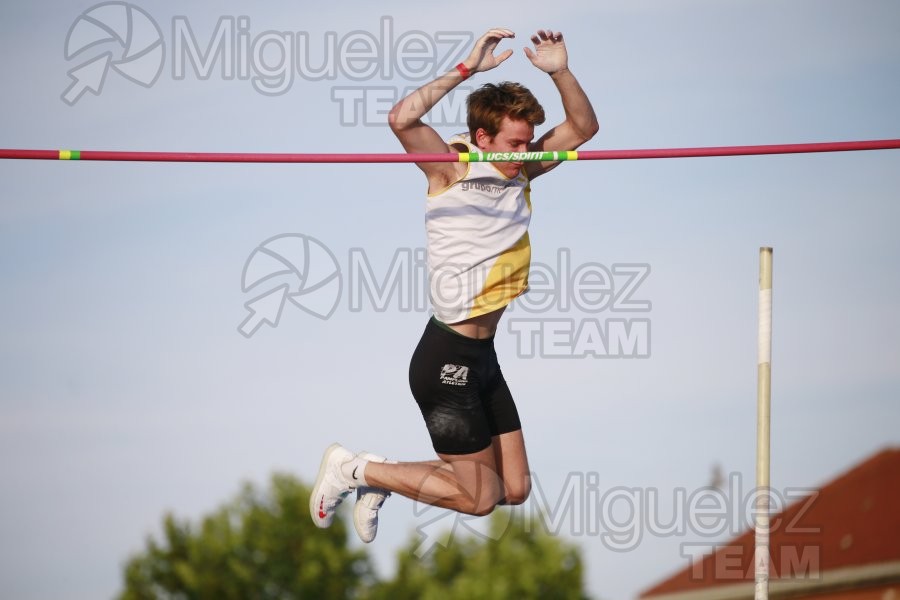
517, 559
261, 545
264, 545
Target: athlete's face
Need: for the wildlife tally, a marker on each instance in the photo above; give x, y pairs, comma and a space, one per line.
514, 136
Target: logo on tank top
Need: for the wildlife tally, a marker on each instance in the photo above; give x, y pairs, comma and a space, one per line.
454, 375
493, 189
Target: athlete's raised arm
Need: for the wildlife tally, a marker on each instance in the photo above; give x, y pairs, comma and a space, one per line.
405, 118
580, 125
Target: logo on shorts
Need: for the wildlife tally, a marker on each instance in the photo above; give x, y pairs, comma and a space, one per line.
454, 375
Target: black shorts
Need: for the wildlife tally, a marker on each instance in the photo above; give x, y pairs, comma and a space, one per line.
460, 390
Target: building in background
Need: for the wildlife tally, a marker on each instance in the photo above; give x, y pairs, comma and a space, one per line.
841, 543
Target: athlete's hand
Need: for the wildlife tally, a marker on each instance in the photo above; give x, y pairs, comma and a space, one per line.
482, 57
549, 54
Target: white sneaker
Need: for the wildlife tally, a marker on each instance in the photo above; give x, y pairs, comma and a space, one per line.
368, 501
331, 486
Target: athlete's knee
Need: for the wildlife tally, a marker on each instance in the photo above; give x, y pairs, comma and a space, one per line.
515, 499
517, 492
514, 496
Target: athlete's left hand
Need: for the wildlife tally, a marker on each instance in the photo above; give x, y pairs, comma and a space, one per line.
549, 54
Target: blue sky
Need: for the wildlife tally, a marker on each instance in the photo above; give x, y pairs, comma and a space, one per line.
126, 389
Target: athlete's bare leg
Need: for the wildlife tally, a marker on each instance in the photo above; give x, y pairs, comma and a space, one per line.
468, 483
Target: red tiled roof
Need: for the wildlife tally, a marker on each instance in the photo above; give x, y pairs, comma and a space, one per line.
852, 521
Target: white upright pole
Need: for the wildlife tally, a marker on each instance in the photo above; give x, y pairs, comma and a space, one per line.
763, 403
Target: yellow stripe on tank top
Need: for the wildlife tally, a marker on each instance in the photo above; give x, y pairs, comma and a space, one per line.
506, 280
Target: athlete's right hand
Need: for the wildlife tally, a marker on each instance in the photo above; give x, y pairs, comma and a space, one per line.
482, 56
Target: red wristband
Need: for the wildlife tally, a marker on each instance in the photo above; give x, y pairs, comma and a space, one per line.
463, 70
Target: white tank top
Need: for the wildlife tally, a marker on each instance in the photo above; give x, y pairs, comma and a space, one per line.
479, 253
